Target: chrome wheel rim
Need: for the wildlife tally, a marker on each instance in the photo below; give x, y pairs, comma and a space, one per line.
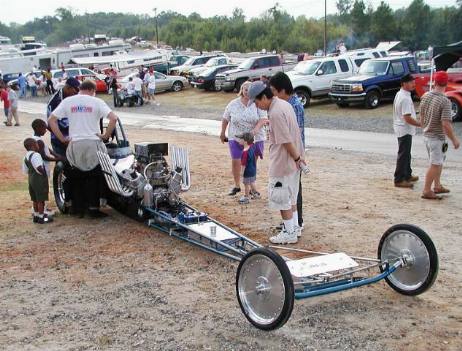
302, 99
176, 87
407, 246
61, 194
374, 101
261, 289
454, 110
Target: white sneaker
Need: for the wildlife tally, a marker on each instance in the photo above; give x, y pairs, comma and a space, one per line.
298, 231
284, 238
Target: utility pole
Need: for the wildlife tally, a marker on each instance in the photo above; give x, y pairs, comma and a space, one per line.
325, 27
157, 29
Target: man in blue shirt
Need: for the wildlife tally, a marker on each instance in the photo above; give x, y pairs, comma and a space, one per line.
281, 86
22, 85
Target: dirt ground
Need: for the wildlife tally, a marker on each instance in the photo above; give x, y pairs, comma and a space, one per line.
115, 284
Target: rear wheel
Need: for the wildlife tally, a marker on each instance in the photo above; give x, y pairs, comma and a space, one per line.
304, 97
265, 289
58, 187
414, 246
177, 86
372, 99
239, 83
456, 111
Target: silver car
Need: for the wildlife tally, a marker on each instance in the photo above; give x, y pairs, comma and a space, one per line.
163, 82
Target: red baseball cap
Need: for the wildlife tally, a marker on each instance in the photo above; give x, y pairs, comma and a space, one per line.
441, 78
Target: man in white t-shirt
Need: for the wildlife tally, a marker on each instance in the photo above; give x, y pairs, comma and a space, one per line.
138, 85
151, 86
404, 124
84, 112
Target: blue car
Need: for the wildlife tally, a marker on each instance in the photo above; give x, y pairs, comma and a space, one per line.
378, 79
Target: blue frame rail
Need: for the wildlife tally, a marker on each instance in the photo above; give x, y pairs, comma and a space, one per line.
345, 284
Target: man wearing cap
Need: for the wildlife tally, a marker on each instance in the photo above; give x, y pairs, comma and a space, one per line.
404, 125
286, 156
70, 88
435, 117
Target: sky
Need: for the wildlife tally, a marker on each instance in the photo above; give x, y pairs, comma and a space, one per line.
26, 10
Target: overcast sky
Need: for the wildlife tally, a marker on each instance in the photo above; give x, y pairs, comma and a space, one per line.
23, 11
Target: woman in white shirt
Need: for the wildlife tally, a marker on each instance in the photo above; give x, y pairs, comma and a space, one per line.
240, 118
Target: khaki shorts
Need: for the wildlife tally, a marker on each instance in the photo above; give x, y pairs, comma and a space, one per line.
435, 151
283, 191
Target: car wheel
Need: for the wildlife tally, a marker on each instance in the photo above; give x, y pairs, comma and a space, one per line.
304, 97
456, 111
238, 84
215, 88
372, 99
177, 86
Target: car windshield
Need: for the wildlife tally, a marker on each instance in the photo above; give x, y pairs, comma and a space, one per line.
211, 63
246, 64
378, 68
189, 61
307, 67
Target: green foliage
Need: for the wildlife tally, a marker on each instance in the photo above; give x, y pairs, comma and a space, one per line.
357, 23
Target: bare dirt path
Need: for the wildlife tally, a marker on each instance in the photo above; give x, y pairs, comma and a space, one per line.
114, 284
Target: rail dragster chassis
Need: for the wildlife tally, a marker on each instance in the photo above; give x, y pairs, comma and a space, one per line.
143, 186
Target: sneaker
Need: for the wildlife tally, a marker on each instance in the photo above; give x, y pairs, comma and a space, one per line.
413, 179
298, 231
244, 200
255, 195
404, 184
284, 238
49, 212
234, 191
43, 220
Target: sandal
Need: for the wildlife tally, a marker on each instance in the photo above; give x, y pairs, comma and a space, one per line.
430, 196
441, 190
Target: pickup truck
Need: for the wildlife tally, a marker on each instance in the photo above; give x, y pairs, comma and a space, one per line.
213, 62
377, 79
252, 68
192, 62
313, 78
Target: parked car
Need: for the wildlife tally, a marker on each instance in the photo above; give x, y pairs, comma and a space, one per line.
206, 79
192, 62
313, 78
37, 75
101, 86
377, 79
252, 68
163, 82
74, 72
213, 62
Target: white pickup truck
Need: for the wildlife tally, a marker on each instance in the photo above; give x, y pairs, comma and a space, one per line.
313, 78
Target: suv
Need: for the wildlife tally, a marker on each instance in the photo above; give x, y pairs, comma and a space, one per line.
313, 78
192, 62
377, 79
252, 68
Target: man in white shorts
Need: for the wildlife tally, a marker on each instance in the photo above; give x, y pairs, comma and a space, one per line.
286, 155
435, 117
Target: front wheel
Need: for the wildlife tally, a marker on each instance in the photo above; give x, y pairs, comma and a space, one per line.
420, 259
59, 179
265, 289
372, 99
304, 97
177, 86
456, 111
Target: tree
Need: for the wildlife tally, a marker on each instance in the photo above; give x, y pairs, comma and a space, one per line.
383, 25
359, 18
344, 6
415, 26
